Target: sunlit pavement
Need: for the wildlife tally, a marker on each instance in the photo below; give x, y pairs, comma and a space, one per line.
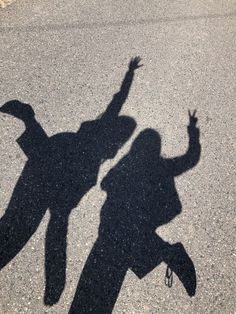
67, 59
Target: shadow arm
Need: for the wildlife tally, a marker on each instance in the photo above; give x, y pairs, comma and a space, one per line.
33, 138
180, 164
119, 98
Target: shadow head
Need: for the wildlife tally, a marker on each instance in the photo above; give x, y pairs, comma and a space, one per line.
149, 142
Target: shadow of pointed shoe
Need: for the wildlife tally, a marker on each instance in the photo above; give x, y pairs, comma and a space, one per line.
181, 264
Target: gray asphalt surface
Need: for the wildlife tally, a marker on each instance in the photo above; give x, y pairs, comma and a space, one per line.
67, 59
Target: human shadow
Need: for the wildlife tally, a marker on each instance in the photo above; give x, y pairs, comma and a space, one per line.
59, 171
141, 196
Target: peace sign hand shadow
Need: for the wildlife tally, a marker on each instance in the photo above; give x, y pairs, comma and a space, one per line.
193, 130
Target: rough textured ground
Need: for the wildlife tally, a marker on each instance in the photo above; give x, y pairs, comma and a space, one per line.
67, 59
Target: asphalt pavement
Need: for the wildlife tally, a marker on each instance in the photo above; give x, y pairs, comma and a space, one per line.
67, 59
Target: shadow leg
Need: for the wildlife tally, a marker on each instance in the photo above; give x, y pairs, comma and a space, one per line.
100, 282
149, 254
179, 261
22, 217
55, 258
155, 250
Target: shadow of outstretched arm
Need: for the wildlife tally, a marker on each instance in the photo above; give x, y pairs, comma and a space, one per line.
23, 214
119, 98
181, 164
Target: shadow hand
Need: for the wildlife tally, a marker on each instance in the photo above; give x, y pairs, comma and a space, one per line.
134, 63
193, 130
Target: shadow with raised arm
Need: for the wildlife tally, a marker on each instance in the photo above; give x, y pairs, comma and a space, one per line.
141, 196
59, 171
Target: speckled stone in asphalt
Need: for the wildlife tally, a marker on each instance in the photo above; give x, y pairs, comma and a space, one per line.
67, 59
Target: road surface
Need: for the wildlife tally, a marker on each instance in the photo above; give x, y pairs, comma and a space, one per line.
67, 59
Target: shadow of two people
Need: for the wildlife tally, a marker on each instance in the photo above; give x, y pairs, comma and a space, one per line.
61, 169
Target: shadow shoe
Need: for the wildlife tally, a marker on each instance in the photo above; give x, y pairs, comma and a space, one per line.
181, 264
18, 109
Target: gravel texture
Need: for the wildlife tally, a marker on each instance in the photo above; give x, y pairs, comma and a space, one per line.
67, 59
